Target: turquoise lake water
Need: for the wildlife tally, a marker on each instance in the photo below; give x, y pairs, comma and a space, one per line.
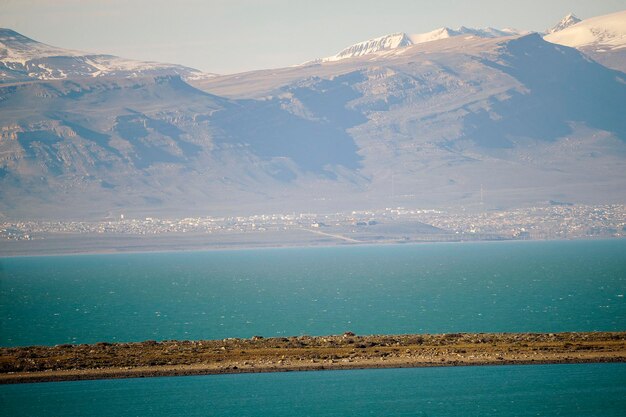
433, 288
538, 390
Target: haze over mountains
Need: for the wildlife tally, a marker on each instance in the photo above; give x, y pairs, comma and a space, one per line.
414, 120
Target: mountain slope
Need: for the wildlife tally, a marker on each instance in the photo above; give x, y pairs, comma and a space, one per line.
153, 145
23, 59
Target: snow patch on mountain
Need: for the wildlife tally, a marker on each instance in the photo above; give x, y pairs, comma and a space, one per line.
383, 43
606, 32
445, 33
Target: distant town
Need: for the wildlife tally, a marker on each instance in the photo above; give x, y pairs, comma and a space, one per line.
551, 221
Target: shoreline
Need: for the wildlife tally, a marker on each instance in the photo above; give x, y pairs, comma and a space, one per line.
303, 353
157, 372
121, 247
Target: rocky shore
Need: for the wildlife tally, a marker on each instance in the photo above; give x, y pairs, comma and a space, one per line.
303, 353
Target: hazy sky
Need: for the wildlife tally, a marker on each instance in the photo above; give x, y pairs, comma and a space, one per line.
226, 36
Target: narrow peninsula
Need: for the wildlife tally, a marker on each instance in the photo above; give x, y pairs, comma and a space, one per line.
302, 353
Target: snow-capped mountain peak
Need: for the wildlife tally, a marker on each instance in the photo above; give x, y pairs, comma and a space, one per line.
606, 32
567, 21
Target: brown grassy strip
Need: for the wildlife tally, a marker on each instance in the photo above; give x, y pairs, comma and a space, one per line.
303, 353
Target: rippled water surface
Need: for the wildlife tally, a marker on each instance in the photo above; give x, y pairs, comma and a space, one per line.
434, 288
538, 390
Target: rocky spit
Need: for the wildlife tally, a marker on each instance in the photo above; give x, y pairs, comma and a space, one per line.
302, 353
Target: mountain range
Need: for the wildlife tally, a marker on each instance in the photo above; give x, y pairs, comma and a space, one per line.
401, 120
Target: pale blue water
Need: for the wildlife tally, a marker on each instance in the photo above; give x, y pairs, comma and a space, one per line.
539, 390
434, 288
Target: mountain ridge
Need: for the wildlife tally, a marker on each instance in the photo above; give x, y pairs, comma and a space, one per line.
400, 40
25, 59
